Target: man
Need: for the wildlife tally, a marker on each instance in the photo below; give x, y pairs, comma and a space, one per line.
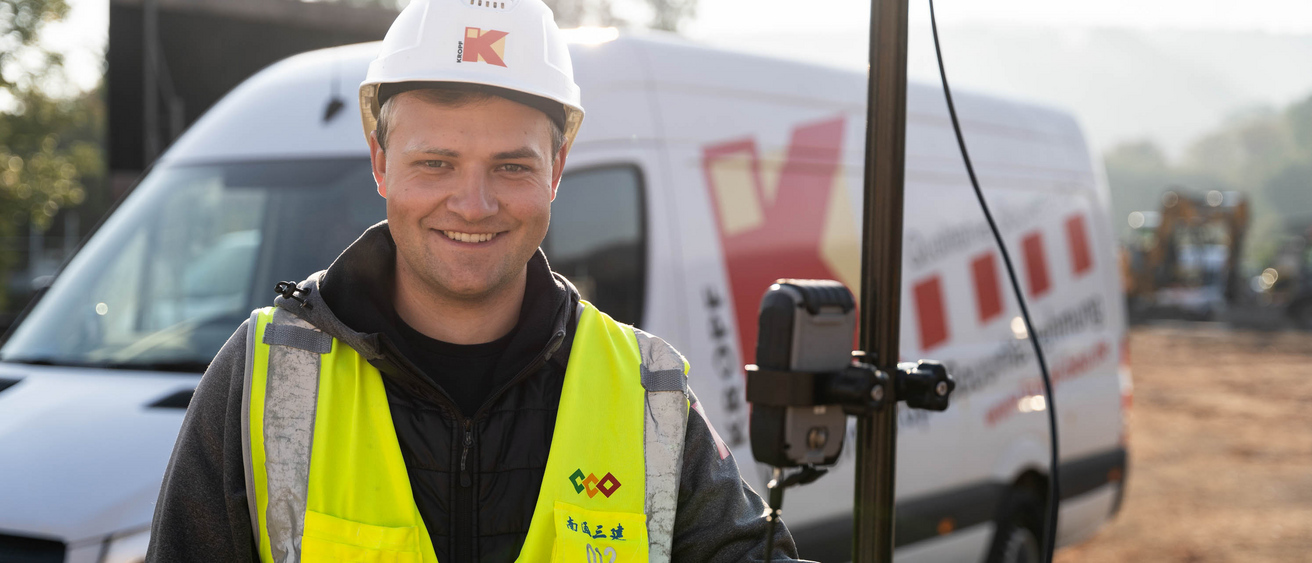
438, 393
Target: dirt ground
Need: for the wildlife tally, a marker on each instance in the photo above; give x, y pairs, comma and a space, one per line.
1220, 450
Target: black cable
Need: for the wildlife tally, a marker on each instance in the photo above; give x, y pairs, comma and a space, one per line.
1050, 522
776, 488
777, 484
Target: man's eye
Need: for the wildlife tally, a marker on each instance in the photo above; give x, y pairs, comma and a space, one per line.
437, 164
514, 168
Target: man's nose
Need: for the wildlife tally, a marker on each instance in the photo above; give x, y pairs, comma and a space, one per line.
475, 199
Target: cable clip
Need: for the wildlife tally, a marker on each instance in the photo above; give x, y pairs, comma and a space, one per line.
289, 290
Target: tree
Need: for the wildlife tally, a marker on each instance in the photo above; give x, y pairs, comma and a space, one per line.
1137, 173
1266, 156
575, 13
49, 146
670, 13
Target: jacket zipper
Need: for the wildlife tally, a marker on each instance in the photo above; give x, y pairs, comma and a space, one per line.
464, 455
542, 357
463, 545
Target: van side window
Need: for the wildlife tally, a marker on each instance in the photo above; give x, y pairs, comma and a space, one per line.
598, 238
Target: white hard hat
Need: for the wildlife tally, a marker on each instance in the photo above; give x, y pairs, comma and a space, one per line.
511, 45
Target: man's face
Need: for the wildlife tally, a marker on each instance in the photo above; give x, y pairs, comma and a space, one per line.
469, 191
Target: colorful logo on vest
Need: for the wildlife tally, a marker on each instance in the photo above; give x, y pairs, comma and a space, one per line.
606, 485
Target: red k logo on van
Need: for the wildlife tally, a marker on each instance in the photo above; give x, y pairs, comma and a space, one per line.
487, 46
789, 219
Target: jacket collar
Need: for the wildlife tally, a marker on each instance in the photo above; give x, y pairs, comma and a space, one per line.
352, 301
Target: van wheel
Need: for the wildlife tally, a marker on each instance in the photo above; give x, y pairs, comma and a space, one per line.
1019, 527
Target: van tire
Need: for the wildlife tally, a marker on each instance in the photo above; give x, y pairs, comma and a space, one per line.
1017, 538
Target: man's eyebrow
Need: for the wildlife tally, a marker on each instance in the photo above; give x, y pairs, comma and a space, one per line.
435, 151
521, 152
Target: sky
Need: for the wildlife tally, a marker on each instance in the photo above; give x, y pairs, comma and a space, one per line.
81, 37
770, 25
835, 31
1280, 16
1167, 71
84, 34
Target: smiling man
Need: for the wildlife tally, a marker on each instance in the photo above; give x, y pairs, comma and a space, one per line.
438, 393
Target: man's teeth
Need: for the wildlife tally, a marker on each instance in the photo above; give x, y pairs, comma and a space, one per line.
469, 237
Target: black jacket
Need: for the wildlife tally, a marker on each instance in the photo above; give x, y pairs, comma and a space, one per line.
475, 479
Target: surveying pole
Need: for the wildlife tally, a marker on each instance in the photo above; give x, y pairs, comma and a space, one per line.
806, 379
881, 275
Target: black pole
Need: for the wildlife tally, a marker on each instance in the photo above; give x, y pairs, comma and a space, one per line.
150, 79
881, 274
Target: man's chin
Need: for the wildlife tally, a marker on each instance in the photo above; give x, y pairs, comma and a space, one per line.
467, 289
467, 293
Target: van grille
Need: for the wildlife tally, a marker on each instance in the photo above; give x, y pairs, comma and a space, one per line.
18, 549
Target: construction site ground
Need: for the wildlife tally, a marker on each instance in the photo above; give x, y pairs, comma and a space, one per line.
1220, 449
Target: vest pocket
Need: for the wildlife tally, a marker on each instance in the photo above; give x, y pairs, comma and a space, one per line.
329, 538
593, 536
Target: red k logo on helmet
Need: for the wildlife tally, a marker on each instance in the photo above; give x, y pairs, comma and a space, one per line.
487, 46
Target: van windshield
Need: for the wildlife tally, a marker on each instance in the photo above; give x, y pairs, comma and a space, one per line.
173, 272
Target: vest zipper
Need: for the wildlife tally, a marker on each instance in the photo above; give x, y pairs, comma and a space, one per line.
542, 357
462, 544
464, 455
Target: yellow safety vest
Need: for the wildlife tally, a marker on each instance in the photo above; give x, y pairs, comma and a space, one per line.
326, 481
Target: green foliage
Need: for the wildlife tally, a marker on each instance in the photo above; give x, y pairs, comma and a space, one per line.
1268, 157
21, 61
670, 13
1137, 173
51, 148
47, 154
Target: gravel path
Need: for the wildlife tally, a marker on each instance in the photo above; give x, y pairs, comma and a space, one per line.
1220, 450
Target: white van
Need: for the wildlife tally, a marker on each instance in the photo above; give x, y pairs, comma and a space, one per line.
699, 177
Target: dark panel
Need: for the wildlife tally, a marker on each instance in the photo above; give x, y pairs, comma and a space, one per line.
20, 549
207, 54
918, 518
1086, 474
826, 541
176, 400
6, 383
123, 83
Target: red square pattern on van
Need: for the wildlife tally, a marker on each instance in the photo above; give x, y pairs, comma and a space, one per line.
1036, 264
930, 313
988, 296
1078, 236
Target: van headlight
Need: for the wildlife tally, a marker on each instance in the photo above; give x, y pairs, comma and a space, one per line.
127, 548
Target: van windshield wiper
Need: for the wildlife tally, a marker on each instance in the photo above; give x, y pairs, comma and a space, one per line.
185, 366
180, 366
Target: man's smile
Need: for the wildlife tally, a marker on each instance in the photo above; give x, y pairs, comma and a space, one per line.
475, 238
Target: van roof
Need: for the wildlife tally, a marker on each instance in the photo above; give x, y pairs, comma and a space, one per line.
281, 112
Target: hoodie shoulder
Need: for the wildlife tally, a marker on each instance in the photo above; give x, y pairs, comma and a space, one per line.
202, 512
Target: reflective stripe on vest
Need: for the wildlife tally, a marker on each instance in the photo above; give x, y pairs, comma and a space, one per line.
325, 478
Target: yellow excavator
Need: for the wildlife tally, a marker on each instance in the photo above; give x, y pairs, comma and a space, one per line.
1183, 261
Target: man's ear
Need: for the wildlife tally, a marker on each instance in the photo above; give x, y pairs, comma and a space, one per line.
378, 161
557, 167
